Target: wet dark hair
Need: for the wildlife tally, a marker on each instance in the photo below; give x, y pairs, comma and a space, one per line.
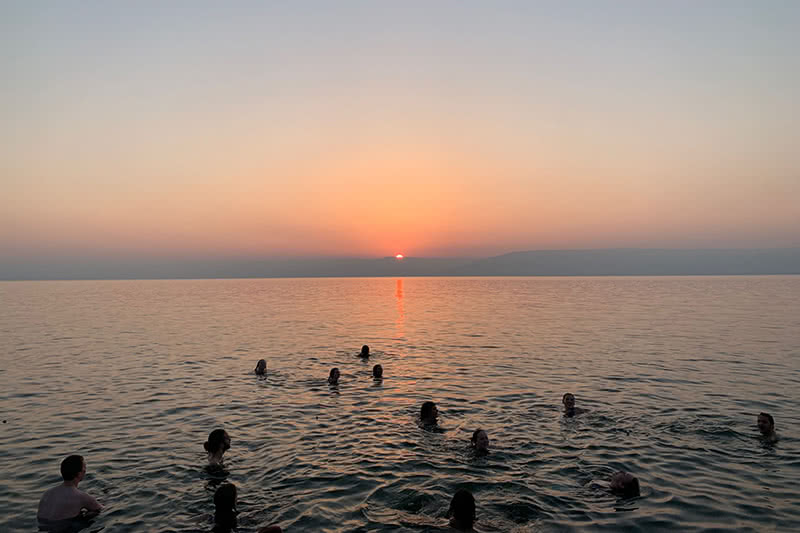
426, 410
629, 490
364, 350
71, 467
330, 375
768, 417
259, 364
625, 484
475, 436
216, 440
377, 371
225, 507
564, 398
462, 508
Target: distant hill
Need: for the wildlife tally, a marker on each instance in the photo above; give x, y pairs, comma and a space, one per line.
636, 262
612, 262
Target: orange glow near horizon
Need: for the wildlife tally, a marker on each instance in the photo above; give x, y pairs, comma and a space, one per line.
424, 198
399, 256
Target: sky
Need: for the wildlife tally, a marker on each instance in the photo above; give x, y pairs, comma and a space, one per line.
364, 129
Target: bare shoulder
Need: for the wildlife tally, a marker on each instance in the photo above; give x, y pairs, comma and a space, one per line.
47, 496
57, 492
50, 491
88, 501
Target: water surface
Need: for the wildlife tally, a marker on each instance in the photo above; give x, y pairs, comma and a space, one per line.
672, 370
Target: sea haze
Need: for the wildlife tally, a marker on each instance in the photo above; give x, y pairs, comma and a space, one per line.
672, 372
605, 262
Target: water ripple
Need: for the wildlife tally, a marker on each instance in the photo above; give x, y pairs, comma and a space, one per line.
671, 372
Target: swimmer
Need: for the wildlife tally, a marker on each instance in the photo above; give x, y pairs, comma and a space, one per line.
225, 508
225, 511
624, 484
428, 413
364, 351
217, 444
766, 425
480, 442
569, 405
377, 372
333, 377
65, 502
261, 368
462, 511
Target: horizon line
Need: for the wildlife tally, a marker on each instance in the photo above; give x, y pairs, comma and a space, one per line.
404, 276
601, 262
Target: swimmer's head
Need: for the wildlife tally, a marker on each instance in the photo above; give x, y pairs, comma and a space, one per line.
73, 468
225, 497
766, 424
225, 507
333, 377
218, 442
261, 367
568, 400
462, 509
624, 484
480, 440
364, 351
377, 372
428, 413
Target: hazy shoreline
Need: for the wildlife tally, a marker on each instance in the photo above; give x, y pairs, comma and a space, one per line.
560, 263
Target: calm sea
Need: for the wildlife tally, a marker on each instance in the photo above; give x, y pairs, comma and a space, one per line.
672, 370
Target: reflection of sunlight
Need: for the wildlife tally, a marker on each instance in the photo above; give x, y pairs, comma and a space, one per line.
401, 317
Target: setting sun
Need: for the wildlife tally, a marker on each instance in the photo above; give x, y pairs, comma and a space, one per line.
398, 256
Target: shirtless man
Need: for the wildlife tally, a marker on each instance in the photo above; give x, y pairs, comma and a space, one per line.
65, 501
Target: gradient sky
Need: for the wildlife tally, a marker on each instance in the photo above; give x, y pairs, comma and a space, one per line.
286, 129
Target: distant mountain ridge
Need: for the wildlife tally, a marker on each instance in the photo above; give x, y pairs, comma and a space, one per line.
637, 262
602, 262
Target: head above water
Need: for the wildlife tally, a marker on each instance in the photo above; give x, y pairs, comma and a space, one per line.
364, 351
480, 440
428, 412
225, 507
624, 484
225, 497
333, 377
261, 367
218, 442
568, 400
73, 468
766, 424
377, 372
462, 509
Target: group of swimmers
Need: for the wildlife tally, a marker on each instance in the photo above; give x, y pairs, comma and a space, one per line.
334, 374
462, 506
61, 505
